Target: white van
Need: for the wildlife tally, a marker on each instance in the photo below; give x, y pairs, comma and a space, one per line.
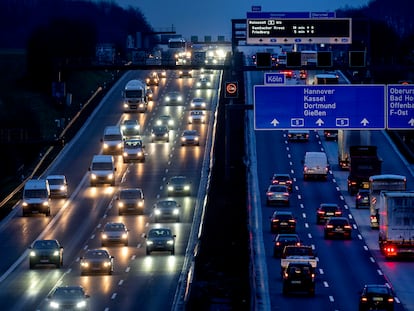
102, 170
315, 165
112, 140
36, 196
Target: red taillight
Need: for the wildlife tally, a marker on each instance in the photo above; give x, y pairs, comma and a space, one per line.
347, 227
329, 226
321, 212
338, 213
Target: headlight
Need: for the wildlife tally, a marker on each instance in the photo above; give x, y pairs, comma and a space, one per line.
140, 204
45, 203
159, 122
84, 264
24, 204
81, 304
120, 204
56, 253
186, 188
149, 242
167, 99
125, 154
139, 154
179, 98
62, 188
196, 138
105, 146
111, 176
104, 236
170, 242
123, 127
170, 188
166, 135
54, 304
124, 236
93, 176
176, 211
119, 145
32, 254
107, 264
183, 139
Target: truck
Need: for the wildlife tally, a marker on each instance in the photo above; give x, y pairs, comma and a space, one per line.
396, 217
135, 96
297, 254
347, 138
364, 162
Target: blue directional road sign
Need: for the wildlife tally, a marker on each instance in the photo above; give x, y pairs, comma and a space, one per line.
351, 107
274, 78
400, 108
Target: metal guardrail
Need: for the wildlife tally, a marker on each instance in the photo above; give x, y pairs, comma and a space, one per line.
46, 155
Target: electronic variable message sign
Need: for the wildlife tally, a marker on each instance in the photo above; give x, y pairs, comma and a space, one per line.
273, 30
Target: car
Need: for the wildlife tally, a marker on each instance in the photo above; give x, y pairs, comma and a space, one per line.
130, 128
68, 298
173, 98
161, 240
303, 74
298, 135
178, 185
58, 186
160, 133
338, 227
203, 83
167, 210
330, 134
198, 103
282, 179
326, 211
97, 261
197, 116
130, 200
277, 194
46, 252
282, 221
114, 232
185, 73
133, 150
153, 79
298, 277
166, 120
283, 239
190, 138
362, 198
376, 297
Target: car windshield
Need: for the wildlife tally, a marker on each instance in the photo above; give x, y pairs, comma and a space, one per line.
133, 144
283, 216
377, 290
35, 193
178, 180
168, 203
68, 293
45, 244
159, 233
96, 166
338, 222
277, 189
114, 227
288, 239
113, 137
129, 194
189, 133
55, 181
96, 254
329, 208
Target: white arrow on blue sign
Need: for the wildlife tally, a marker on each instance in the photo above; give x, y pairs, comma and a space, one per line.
274, 78
319, 107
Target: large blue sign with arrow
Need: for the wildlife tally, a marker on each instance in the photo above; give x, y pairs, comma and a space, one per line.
400, 106
319, 107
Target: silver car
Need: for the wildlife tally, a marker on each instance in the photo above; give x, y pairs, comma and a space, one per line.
68, 298
198, 103
133, 150
58, 186
197, 116
97, 261
114, 232
190, 138
167, 210
130, 128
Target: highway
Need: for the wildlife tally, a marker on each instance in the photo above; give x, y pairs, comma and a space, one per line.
149, 282
344, 266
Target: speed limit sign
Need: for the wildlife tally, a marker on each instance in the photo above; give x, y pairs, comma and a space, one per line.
232, 90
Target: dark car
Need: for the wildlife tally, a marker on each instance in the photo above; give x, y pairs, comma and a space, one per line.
330, 134
68, 298
362, 198
160, 133
46, 252
130, 200
97, 261
133, 150
178, 185
190, 138
160, 239
167, 210
283, 239
283, 179
282, 221
338, 227
326, 211
277, 194
299, 277
376, 297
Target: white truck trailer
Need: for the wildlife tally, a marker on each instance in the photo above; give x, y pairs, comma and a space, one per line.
396, 217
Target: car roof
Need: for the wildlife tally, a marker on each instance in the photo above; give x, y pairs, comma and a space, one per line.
280, 188
338, 219
275, 213
190, 132
328, 205
55, 177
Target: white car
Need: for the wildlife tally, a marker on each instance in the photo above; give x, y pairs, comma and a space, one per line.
198, 103
130, 127
58, 186
133, 150
197, 116
190, 138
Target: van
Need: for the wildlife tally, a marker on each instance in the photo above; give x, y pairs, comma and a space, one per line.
102, 170
315, 165
112, 140
36, 196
